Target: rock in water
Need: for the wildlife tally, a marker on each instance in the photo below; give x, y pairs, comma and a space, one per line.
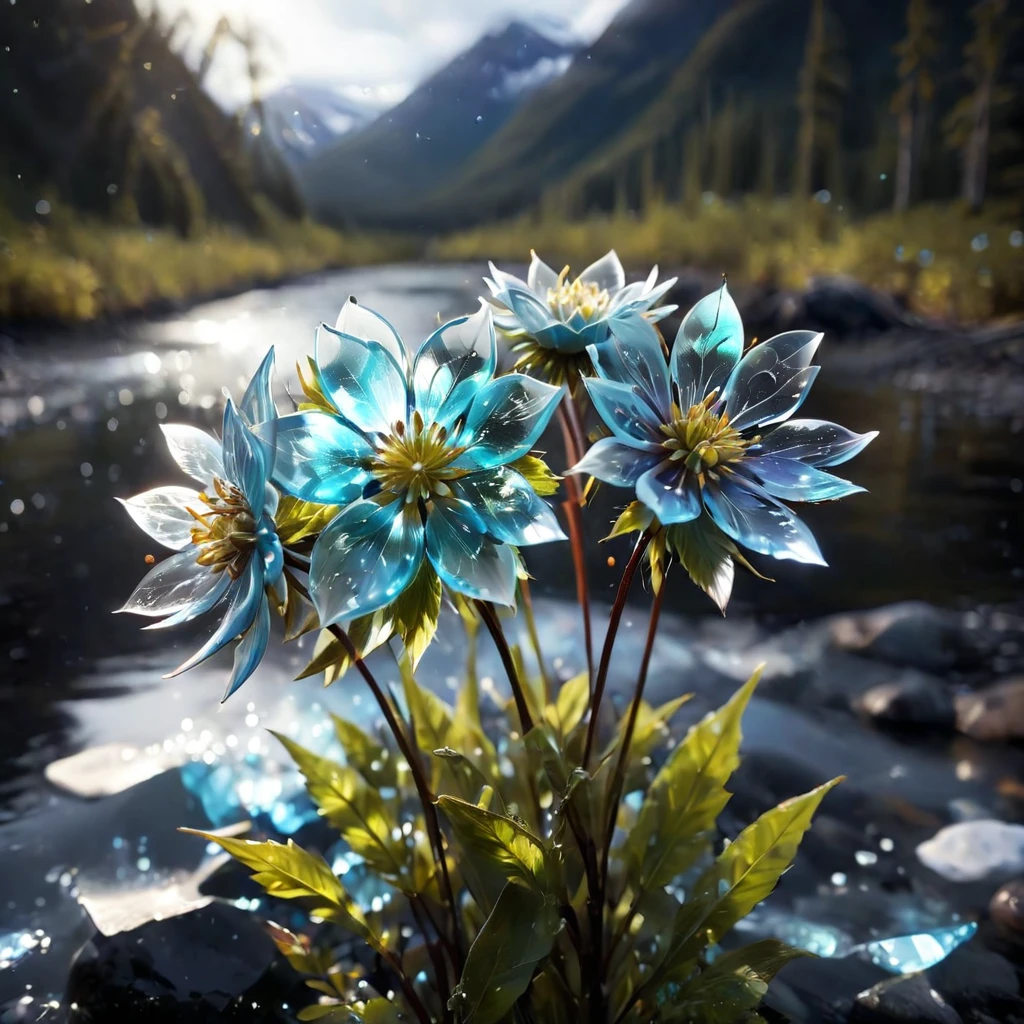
973, 978
993, 714
912, 701
903, 1001
970, 851
1007, 909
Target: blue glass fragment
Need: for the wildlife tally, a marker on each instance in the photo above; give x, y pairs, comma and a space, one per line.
907, 954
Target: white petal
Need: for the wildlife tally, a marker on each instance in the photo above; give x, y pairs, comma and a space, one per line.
163, 514
197, 452
175, 583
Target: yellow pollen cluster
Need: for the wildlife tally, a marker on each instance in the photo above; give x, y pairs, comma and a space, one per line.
703, 439
415, 461
583, 297
225, 531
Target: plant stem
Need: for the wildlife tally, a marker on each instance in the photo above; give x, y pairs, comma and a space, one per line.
419, 912
573, 453
531, 629
490, 620
609, 641
414, 1001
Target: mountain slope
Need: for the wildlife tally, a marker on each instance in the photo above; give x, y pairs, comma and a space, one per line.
380, 174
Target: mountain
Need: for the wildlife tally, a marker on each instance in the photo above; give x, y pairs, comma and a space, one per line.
380, 175
303, 119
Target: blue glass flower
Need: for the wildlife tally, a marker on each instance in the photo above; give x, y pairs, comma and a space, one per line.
226, 542
715, 435
553, 319
421, 460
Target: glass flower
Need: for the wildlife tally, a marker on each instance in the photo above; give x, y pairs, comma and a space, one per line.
713, 437
553, 320
420, 459
226, 542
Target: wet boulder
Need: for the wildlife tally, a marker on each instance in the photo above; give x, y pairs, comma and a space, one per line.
972, 851
995, 714
1007, 909
911, 701
973, 978
903, 1001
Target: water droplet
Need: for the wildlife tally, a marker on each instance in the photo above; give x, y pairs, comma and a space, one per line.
42, 207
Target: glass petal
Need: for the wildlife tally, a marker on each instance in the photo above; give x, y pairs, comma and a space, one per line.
198, 453
562, 338
792, 480
362, 379
707, 347
246, 594
452, 365
269, 547
625, 412
506, 281
606, 273
509, 507
257, 405
200, 606
909, 954
770, 396
365, 557
633, 355
816, 442
249, 653
529, 310
753, 518
243, 458
366, 325
659, 313
171, 585
466, 560
671, 493
163, 514
540, 277
616, 463
318, 457
506, 419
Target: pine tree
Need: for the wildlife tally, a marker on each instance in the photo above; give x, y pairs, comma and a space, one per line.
915, 93
767, 157
724, 140
691, 183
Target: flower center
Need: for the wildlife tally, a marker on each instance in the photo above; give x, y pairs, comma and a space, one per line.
703, 439
583, 297
416, 460
225, 531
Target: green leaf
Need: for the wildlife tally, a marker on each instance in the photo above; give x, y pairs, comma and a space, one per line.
657, 560
570, 705
416, 611
517, 935
316, 399
651, 727
374, 761
330, 655
290, 873
636, 517
510, 847
538, 474
708, 556
355, 809
296, 519
299, 614
688, 794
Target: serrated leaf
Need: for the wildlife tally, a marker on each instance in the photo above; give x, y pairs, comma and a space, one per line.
499, 840
296, 519
570, 705
416, 610
651, 727
316, 399
374, 761
538, 474
635, 517
289, 872
687, 795
355, 809
330, 655
517, 935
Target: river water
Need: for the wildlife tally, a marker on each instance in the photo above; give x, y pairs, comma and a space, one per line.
79, 417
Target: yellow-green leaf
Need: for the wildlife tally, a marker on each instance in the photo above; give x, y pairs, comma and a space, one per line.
688, 794
296, 519
538, 474
636, 517
290, 873
517, 935
374, 761
570, 705
506, 844
331, 656
416, 611
316, 399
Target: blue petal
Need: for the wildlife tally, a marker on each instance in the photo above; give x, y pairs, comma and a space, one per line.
362, 379
170, 586
816, 442
198, 453
670, 492
452, 365
509, 507
244, 462
753, 518
606, 273
268, 544
506, 419
366, 325
707, 347
772, 380
365, 557
215, 586
465, 559
563, 338
616, 463
246, 594
257, 405
529, 310
249, 653
503, 282
633, 355
792, 480
318, 457
625, 412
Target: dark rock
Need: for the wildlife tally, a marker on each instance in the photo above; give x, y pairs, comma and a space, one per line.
843, 306
826, 987
993, 714
903, 1001
913, 700
974, 978
1007, 909
192, 968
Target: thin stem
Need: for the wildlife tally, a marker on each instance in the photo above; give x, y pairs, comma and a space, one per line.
414, 1001
419, 912
490, 620
573, 454
531, 629
609, 641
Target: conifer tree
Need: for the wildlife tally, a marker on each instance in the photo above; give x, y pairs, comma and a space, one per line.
911, 99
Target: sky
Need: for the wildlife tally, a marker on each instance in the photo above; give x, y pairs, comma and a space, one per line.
374, 51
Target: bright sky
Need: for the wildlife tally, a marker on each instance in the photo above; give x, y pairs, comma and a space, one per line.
375, 51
